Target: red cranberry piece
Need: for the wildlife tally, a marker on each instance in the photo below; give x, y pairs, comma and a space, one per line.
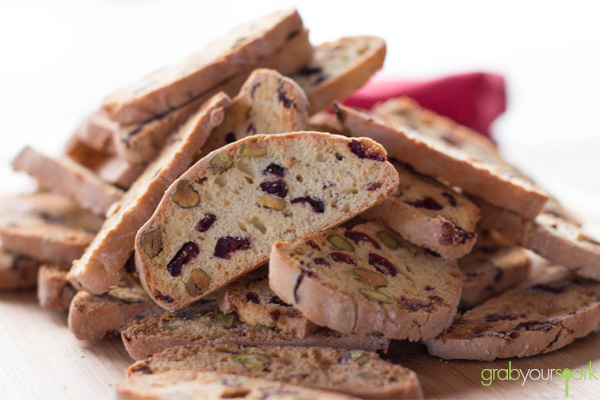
382, 264
317, 205
427, 203
287, 103
274, 169
513, 335
230, 244
498, 317
452, 234
50, 219
451, 199
277, 188
435, 299
357, 237
546, 287
252, 297
205, 223
429, 288
374, 186
321, 261
360, 151
158, 295
275, 314
341, 257
253, 90
535, 326
187, 253
278, 301
309, 70
313, 245
230, 138
414, 305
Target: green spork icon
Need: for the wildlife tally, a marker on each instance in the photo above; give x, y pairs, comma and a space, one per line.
566, 375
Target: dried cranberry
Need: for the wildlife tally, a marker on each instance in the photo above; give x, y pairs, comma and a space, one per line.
317, 205
321, 261
253, 90
252, 297
357, 237
514, 335
278, 301
549, 288
429, 288
452, 234
230, 138
274, 169
414, 305
313, 245
50, 219
361, 152
536, 326
131, 134
158, 295
341, 257
478, 332
450, 138
382, 264
186, 253
309, 70
251, 129
498, 317
230, 244
277, 188
287, 103
427, 203
451, 199
374, 186
299, 279
432, 253
205, 223
435, 299
275, 314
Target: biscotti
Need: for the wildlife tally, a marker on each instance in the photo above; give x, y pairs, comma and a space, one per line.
119, 172
338, 68
367, 280
197, 325
100, 266
429, 214
66, 177
354, 372
190, 385
139, 143
218, 221
83, 154
255, 303
46, 227
538, 317
494, 265
550, 235
221, 59
437, 146
54, 292
268, 103
16, 271
93, 317
97, 130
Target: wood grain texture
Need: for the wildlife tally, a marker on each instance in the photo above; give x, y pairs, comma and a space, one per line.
40, 358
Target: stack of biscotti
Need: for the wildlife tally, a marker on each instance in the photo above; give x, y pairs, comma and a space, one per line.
235, 234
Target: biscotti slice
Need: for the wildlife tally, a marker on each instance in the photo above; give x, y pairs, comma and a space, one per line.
354, 372
176, 85
93, 317
119, 172
255, 303
54, 292
100, 266
96, 131
542, 315
429, 214
83, 154
325, 122
46, 227
367, 280
339, 68
16, 271
494, 266
268, 103
68, 178
139, 143
196, 325
192, 385
560, 241
439, 147
217, 222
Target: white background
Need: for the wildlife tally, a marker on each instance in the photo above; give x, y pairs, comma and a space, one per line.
60, 57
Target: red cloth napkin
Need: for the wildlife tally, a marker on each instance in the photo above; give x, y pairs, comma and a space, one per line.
474, 99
